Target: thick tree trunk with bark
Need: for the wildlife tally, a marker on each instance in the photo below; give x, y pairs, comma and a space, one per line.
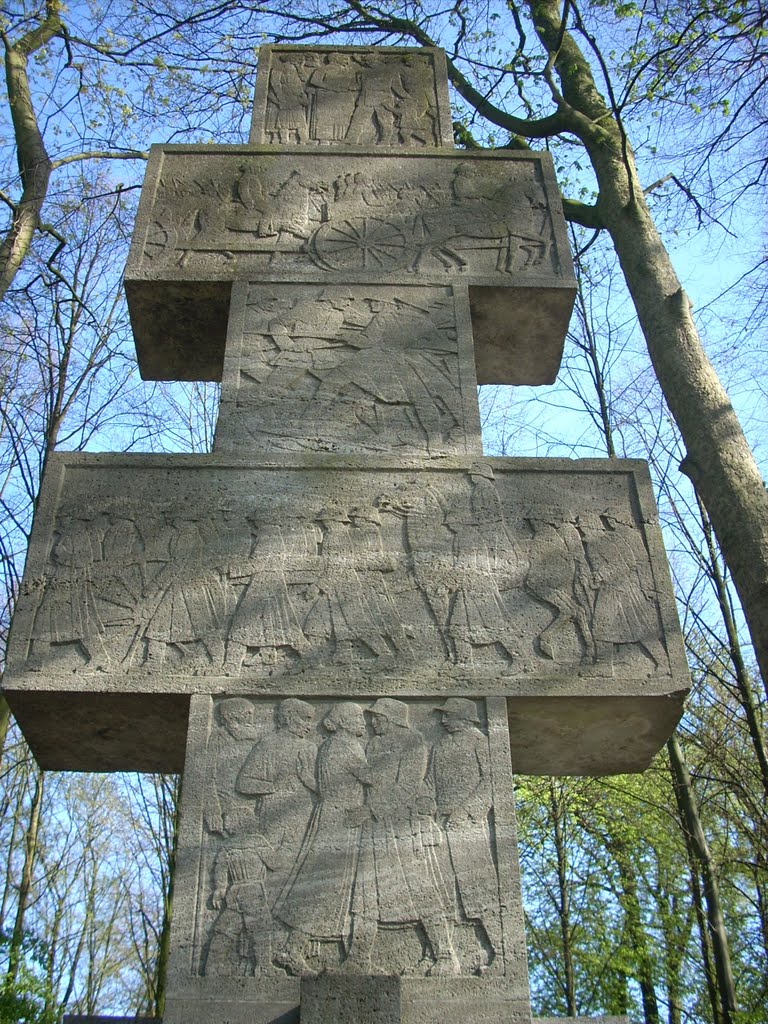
718, 458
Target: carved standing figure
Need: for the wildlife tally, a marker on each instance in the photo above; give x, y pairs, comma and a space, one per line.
625, 609
332, 98
415, 106
122, 589
398, 879
265, 618
477, 617
559, 576
460, 778
68, 615
240, 940
280, 772
374, 117
342, 612
287, 102
231, 745
185, 606
316, 901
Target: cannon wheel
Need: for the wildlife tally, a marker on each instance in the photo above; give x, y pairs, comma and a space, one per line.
160, 237
360, 243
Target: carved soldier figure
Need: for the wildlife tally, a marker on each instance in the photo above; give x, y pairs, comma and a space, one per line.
120, 583
390, 385
332, 101
280, 772
415, 110
309, 338
316, 901
477, 617
186, 604
460, 778
375, 564
341, 612
290, 213
288, 103
265, 618
398, 878
374, 117
231, 747
248, 201
625, 612
68, 615
559, 576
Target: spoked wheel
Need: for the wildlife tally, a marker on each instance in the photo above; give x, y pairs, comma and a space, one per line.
360, 243
160, 237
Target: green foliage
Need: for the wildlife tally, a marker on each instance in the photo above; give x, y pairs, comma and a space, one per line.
24, 1000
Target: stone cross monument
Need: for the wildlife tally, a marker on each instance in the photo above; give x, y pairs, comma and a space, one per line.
346, 625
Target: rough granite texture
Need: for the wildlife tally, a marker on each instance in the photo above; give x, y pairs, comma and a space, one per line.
210, 215
153, 577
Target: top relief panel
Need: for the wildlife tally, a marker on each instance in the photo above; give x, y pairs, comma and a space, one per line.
351, 96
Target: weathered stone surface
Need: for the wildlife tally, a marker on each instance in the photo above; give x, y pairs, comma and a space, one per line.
339, 620
402, 1000
330, 999
352, 837
141, 731
351, 96
349, 369
542, 580
222, 213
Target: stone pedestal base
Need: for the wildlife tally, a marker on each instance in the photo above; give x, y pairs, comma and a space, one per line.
334, 999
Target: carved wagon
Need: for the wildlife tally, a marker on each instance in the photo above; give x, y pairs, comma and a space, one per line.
403, 240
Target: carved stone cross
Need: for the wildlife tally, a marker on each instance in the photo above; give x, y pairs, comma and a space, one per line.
346, 624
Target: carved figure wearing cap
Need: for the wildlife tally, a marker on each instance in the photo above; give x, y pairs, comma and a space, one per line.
232, 744
460, 780
398, 879
316, 901
280, 772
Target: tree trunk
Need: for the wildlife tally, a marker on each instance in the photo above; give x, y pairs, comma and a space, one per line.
634, 928
25, 886
34, 163
5, 721
165, 933
557, 806
718, 458
743, 685
686, 799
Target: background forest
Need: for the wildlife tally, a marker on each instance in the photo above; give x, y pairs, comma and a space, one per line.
644, 895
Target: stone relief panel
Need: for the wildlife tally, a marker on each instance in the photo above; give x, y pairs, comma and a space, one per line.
374, 369
357, 837
349, 218
348, 98
377, 573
